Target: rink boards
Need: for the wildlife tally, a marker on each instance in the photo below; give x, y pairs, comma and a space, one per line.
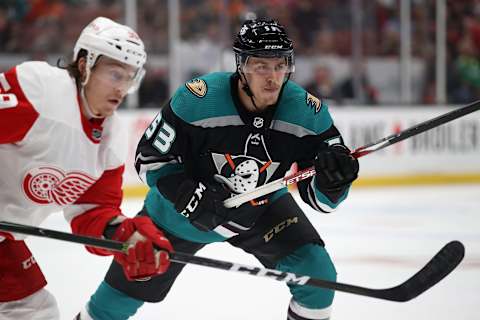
446, 154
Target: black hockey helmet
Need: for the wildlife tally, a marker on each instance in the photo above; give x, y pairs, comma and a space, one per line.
262, 38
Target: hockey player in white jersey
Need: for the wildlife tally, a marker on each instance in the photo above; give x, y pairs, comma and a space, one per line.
61, 148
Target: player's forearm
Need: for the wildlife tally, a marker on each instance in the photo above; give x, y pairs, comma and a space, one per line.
94, 223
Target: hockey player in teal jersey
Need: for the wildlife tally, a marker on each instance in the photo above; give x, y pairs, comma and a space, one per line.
223, 134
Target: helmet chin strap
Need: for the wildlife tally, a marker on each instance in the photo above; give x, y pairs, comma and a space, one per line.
246, 88
87, 75
86, 107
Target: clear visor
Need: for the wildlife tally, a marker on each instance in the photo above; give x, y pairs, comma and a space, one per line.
137, 80
265, 66
117, 75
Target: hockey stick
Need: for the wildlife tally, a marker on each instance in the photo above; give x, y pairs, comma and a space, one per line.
357, 153
444, 262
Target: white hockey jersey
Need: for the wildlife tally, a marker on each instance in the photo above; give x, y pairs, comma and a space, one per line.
52, 157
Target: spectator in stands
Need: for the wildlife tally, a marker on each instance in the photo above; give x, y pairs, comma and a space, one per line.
346, 92
467, 69
154, 90
322, 84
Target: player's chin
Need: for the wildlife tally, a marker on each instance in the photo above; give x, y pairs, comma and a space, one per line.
271, 97
108, 110
111, 106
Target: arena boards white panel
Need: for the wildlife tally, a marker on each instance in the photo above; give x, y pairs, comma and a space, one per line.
450, 152
448, 149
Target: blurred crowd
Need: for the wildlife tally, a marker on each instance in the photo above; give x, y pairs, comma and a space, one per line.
319, 28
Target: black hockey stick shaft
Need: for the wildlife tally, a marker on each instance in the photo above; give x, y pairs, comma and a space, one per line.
444, 262
416, 129
65, 236
357, 153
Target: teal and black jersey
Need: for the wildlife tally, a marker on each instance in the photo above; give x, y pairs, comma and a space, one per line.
204, 130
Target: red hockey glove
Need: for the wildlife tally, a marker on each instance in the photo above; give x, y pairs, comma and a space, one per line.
142, 260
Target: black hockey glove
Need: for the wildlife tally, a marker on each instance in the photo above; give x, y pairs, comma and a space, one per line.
202, 203
335, 168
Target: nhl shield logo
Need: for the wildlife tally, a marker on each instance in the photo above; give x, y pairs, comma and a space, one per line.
258, 122
96, 134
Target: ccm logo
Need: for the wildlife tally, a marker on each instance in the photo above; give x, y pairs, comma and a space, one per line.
194, 200
26, 264
271, 273
279, 227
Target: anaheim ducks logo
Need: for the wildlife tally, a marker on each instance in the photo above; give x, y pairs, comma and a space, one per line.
45, 185
314, 102
245, 172
198, 87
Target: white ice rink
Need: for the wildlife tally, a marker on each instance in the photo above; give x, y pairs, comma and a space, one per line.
378, 238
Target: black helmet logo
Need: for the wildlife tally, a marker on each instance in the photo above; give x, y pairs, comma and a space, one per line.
256, 36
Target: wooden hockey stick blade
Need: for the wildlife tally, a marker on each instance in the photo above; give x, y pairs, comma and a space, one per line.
444, 262
357, 153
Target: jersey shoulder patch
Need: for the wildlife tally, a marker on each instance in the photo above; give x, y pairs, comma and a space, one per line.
303, 110
198, 87
313, 102
206, 97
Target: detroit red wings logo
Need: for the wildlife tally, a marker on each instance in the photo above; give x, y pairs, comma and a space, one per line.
45, 185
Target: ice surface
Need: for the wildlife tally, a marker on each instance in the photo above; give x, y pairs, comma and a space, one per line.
378, 239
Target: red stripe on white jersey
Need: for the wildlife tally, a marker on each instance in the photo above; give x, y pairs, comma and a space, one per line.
107, 193
17, 114
93, 127
107, 190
